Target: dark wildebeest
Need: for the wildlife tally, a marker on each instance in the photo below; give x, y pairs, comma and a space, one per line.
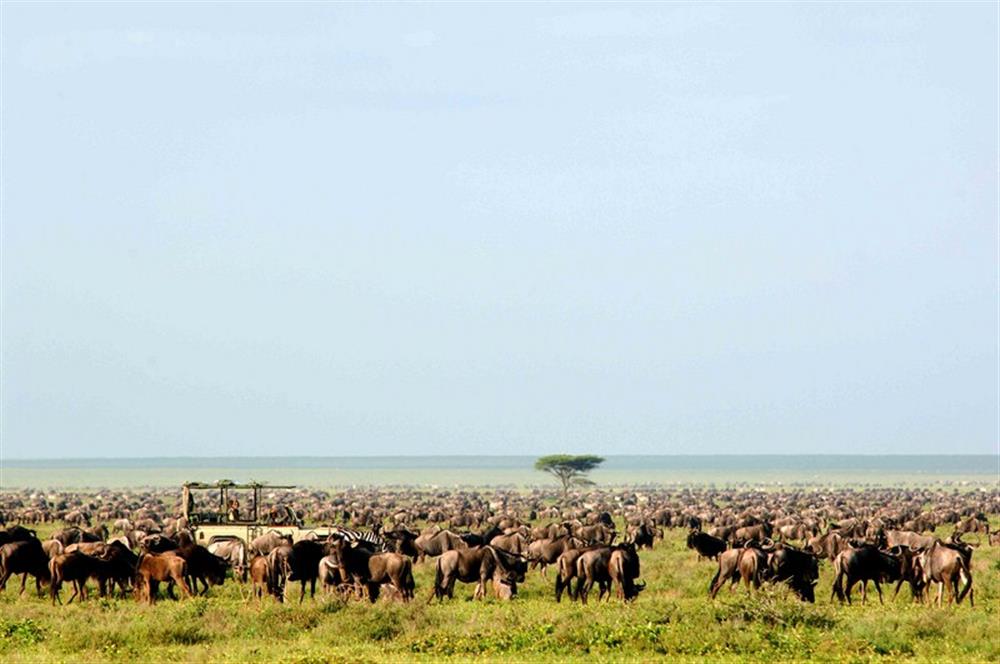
799, 569
435, 544
202, 566
642, 535
863, 563
123, 564
16, 534
299, 562
545, 552
68, 536
910, 571
948, 564
76, 567
402, 541
369, 570
153, 568
480, 539
477, 565
705, 545
24, 557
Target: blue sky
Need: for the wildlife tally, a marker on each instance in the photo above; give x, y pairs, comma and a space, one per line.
459, 228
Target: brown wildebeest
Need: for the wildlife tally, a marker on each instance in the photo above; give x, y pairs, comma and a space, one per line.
24, 558
152, 568
566, 571
264, 580
76, 567
624, 570
948, 564
908, 538
827, 545
514, 542
90, 548
268, 542
545, 552
476, 565
753, 565
747, 563
593, 566
435, 544
864, 564
369, 569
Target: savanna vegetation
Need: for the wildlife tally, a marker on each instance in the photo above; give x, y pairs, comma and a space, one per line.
672, 617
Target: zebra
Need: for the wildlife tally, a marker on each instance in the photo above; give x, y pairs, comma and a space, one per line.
378, 542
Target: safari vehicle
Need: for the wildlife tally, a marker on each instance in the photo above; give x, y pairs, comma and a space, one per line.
230, 520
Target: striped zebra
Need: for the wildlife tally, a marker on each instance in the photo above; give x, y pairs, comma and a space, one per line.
378, 542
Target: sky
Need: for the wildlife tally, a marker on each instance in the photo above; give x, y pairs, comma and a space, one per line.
353, 229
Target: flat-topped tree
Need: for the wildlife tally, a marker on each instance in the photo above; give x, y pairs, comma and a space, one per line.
569, 469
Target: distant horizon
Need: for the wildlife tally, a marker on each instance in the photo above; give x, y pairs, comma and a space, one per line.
500, 456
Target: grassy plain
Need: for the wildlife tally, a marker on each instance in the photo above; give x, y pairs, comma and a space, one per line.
672, 618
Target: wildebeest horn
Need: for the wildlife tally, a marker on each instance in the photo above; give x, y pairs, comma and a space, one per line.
640, 585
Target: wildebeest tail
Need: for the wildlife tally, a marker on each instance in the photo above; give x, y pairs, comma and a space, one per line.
438, 580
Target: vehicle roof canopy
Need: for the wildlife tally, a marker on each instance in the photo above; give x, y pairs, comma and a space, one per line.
229, 484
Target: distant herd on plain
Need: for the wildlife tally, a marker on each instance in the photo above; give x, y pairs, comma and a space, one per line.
365, 542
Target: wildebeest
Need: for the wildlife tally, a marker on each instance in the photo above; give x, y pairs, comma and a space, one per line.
234, 552
566, 571
593, 566
705, 545
298, 562
369, 569
863, 563
437, 542
624, 570
268, 542
828, 545
24, 557
154, 568
948, 564
264, 579
477, 565
76, 567
545, 552
202, 566
748, 563
799, 569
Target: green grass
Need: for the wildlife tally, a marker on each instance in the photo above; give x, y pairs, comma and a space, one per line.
673, 617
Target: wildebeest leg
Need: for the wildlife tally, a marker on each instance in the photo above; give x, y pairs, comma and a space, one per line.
24, 580
878, 587
312, 588
864, 592
170, 589
940, 595
847, 591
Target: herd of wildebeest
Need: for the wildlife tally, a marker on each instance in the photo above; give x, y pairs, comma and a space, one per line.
365, 542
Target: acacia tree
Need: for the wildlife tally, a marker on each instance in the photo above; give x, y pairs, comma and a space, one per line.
568, 468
